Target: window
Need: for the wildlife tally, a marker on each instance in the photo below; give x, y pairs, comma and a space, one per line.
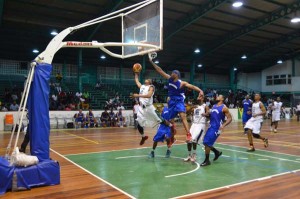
269, 80
276, 80
289, 79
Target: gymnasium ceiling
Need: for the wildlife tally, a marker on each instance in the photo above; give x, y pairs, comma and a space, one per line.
260, 29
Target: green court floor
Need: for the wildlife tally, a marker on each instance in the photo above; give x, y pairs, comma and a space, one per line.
134, 173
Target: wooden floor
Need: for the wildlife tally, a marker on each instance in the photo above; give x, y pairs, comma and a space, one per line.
77, 183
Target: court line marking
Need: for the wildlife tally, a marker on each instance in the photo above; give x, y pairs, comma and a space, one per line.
169, 176
118, 150
127, 194
221, 143
266, 156
81, 137
237, 184
263, 159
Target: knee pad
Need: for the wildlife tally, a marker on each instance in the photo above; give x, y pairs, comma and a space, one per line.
255, 135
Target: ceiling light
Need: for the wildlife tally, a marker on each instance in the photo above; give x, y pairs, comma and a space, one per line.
295, 20
237, 4
54, 32
35, 51
279, 61
244, 57
157, 62
197, 50
103, 57
235, 69
199, 65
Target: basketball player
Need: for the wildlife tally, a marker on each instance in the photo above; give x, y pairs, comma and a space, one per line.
197, 129
276, 114
79, 118
176, 94
254, 124
217, 117
146, 110
163, 133
298, 111
91, 120
247, 104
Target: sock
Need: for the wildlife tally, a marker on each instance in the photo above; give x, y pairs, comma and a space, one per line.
206, 158
189, 153
215, 150
143, 135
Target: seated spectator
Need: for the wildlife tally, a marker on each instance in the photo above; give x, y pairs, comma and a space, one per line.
97, 86
105, 119
113, 118
78, 94
58, 77
231, 105
79, 119
14, 106
120, 106
91, 121
4, 108
121, 119
67, 108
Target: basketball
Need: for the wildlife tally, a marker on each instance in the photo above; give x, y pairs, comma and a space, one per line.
137, 68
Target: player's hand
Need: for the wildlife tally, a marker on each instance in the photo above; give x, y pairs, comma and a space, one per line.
254, 115
249, 112
221, 128
152, 56
134, 95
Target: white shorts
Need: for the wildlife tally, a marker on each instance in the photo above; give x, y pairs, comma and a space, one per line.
147, 115
254, 124
275, 117
198, 131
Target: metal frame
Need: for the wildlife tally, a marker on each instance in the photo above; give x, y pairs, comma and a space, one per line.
57, 42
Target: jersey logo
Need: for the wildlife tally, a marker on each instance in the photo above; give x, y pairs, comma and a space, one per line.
215, 110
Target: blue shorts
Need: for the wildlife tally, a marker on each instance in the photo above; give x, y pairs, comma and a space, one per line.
246, 117
211, 136
162, 133
175, 107
79, 120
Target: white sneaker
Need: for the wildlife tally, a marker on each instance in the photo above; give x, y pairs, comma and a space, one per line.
193, 158
187, 159
275, 130
271, 129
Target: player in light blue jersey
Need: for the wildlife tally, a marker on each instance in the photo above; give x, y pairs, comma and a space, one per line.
217, 123
176, 93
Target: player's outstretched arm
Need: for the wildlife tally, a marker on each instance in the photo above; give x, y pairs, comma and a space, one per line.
190, 86
158, 69
229, 117
136, 79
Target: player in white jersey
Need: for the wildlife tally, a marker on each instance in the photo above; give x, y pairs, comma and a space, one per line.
198, 128
254, 124
146, 112
298, 111
276, 110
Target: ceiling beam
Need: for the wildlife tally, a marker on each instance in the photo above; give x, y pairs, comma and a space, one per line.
1, 11
113, 5
266, 20
261, 50
187, 20
233, 35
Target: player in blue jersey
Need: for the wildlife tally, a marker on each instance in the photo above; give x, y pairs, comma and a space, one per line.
217, 124
176, 93
79, 119
247, 104
163, 133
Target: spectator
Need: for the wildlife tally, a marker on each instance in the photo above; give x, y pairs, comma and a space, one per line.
97, 86
14, 106
105, 118
120, 107
113, 118
58, 77
121, 119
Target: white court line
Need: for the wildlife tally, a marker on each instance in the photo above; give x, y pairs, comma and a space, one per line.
227, 156
243, 158
263, 159
266, 156
127, 194
169, 176
259, 149
116, 150
237, 184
